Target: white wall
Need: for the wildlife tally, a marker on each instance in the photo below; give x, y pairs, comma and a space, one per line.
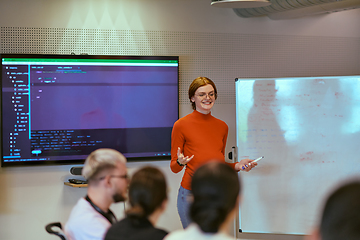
30, 197
168, 15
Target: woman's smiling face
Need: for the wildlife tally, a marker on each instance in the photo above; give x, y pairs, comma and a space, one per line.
204, 99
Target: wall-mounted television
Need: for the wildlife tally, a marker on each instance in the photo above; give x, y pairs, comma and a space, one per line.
56, 109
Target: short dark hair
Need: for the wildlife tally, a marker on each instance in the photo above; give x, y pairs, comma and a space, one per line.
147, 191
215, 187
341, 214
199, 82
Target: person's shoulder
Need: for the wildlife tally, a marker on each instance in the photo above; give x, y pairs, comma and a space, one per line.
83, 207
155, 233
161, 231
81, 210
219, 122
175, 235
136, 233
180, 234
222, 236
122, 222
186, 117
184, 120
84, 215
85, 223
118, 225
119, 228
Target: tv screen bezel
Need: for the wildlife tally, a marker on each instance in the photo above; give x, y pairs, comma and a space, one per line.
80, 160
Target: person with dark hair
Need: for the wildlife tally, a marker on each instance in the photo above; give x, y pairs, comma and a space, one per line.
197, 138
106, 174
216, 196
340, 218
148, 200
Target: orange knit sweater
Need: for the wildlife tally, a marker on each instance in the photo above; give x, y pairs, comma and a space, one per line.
203, 136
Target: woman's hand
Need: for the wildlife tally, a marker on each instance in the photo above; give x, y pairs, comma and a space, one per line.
245, 165
181, 159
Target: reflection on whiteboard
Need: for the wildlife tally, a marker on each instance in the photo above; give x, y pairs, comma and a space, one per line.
308, 129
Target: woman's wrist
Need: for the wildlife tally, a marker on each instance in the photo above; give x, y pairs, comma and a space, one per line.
180, 164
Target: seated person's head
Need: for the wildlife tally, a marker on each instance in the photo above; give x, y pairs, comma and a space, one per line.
147, 193
106, 169
341, 214
216, 188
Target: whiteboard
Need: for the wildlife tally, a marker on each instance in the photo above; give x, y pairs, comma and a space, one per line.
308, 130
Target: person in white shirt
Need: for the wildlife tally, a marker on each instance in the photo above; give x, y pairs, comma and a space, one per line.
106, 173
216, 196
